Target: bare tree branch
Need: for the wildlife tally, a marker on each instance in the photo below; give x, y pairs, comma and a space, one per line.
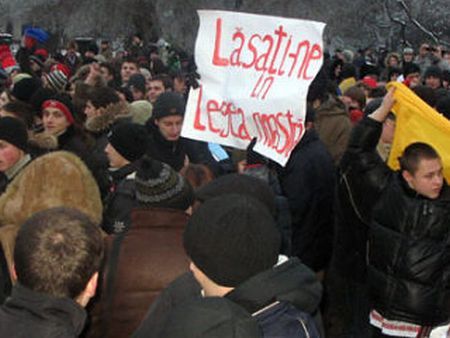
431, 34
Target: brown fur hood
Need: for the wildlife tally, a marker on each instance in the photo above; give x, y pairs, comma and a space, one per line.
44, 141
108, 116
55, 179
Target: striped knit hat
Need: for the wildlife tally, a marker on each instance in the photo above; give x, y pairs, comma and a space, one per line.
158, 185
57, 80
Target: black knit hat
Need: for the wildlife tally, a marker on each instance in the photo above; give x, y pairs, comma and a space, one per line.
433, 71
25, 88
137, 81
232, 238
129, 139
168, 104
13, 131
158, 185
238, 184
210, 317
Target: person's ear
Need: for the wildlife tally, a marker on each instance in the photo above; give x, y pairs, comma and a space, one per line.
408, 177
14, 273
91, 286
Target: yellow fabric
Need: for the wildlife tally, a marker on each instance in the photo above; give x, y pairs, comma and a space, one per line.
346, 84
416, 121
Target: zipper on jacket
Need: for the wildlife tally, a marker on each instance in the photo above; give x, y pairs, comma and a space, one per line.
302, 322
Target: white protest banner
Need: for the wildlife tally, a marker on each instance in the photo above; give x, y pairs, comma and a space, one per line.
255, 72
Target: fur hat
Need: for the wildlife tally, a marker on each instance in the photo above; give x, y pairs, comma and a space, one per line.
158, 185
13, 131
168, 104
129, 139
141, 111
232, 238
211, 317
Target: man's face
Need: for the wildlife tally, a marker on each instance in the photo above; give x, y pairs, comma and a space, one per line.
408, 57
137, 94
90, 110
428, 178
128, 69
433, 82
413, 79
54, 120
104, 72
388, 131
170, 127
155, 89
393, 62
179, 85
424, 49
9, 155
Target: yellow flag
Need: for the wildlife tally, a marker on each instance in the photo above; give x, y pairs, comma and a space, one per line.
416, 121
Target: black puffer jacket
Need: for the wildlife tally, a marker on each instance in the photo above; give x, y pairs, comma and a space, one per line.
409, 237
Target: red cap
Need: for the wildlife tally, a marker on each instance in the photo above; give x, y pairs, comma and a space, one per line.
370, 82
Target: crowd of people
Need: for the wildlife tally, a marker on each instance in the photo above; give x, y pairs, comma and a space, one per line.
113, 225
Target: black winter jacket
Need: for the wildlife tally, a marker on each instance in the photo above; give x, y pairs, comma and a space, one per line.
290, 282
308, 181
174, 153
31, 314
409, 236
121, 199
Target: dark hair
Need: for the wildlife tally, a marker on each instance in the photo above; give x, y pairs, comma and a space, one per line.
357, 94
22, 111
410, 68
165, 79
110, 67
197, 175
443, 106
57, 251
130, 59
101, 97
379, 91
414, 153
426, 93
318, 89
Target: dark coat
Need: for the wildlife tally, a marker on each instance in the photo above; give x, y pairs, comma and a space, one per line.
291, 281
98, 128
308, 181
174, 153
141, 263
120, 200
30, 314
409, 261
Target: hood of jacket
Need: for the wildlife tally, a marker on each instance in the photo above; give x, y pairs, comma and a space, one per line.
331, 106
290, 281
108, 116
66, 315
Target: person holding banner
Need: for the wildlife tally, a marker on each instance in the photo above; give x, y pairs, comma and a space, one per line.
408, 218
166, 144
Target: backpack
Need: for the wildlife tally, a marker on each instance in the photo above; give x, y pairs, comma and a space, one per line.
282, 319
